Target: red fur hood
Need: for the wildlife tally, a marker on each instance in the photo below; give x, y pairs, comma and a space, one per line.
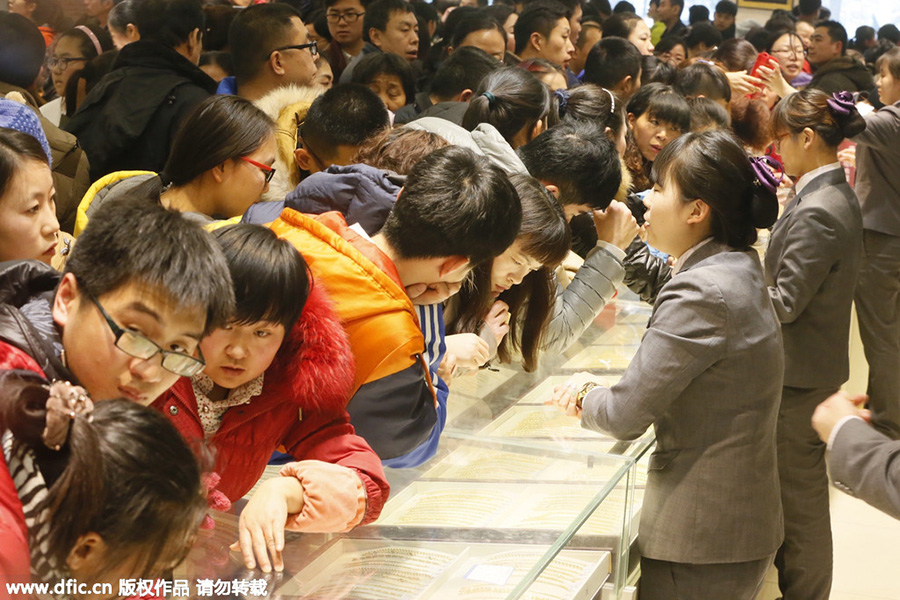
315, 359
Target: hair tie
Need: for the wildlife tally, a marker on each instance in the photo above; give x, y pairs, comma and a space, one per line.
763, 176
612, 100
492, 100
92, 36
66, 401
841, 103
562, 98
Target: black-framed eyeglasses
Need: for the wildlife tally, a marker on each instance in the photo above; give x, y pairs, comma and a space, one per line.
348, 17
313, 48
137, 346
53, 61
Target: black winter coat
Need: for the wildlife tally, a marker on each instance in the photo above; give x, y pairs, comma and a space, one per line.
128, 121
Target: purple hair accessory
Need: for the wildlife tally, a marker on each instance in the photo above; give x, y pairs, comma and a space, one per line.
562, 98
841, 103
763, 176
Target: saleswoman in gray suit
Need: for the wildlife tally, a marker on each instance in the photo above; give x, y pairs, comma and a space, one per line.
812, 265
707, 376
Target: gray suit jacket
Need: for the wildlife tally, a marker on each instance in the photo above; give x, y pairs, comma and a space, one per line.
708, 376
812, 265
877, 169
866, 464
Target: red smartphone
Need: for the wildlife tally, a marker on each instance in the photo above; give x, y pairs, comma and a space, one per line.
762, 59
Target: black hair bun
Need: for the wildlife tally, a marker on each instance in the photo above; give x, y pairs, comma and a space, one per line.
763, 208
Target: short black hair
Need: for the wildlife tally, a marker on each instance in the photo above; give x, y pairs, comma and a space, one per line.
580, 159
540, 16
889, 32
218, 21
620, 24
623, 6
703, 33
386, 63
727, 7
134, 240
703, 79
610, 61
271, 280
220, 59
169, 22
22, 50
346, 115
463, 70
454, 203
698, 14
255, 32
836, 32
570, 5
378, 14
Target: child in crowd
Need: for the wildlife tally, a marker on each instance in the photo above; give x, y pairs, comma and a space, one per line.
812, 265
28, 225
69, 54
279, 373
455, 211
711, 520
71, 504
656, 115
220, 164
515, 102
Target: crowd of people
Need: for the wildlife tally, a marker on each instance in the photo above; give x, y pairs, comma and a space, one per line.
241, 233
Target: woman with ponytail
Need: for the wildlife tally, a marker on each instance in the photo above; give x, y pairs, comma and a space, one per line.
515, 102
707, 376
71, 505
812, 265
220, 163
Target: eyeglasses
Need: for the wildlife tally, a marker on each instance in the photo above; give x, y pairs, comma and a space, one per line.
53, 61
266, 169
313, 48
348, 17
136, 345
789, 52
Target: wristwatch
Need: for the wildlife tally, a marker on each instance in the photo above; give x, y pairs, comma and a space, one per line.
582, 392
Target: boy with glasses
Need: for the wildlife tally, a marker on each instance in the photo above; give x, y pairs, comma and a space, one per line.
345, 23
125, 319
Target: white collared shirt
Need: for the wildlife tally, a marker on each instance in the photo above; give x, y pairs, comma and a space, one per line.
691, 250
804, 181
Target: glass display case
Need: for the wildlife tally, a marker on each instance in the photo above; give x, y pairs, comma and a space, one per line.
519, 502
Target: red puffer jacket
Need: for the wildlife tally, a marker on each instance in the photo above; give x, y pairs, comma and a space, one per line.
302, 407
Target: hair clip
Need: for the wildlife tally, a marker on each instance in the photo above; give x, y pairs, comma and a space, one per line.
492, 100
763, 176
562, 97
841, 103
612, 100
65, 402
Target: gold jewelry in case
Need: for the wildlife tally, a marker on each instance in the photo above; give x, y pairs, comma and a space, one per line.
582, 392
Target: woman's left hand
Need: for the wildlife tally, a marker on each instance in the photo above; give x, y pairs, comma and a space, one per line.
564, 399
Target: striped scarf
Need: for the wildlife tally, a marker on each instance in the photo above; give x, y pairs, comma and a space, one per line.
34, 495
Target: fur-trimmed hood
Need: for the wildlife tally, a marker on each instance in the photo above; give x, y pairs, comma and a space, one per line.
315, 360
286, 106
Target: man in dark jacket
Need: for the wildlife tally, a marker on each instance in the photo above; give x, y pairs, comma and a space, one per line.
834, 71
129, 119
